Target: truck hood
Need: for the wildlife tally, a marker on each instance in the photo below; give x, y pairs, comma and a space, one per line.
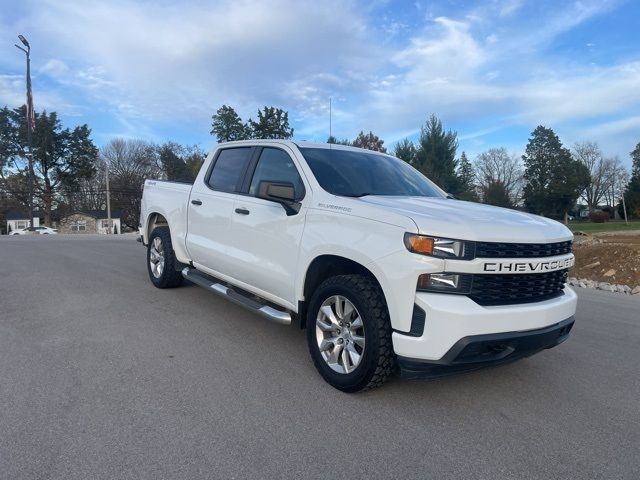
473, 221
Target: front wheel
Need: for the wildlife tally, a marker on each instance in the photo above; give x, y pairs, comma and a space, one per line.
161, 260
349, 333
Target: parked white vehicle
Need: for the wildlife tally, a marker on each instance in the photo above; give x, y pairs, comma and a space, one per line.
35, 230
378, 263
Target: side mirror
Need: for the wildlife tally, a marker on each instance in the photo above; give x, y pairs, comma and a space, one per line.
283, 193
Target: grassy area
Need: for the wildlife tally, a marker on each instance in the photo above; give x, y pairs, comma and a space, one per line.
617, 226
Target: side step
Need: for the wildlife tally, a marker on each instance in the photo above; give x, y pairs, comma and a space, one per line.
218, 288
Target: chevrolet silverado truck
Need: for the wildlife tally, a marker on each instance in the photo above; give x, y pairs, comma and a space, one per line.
381, 267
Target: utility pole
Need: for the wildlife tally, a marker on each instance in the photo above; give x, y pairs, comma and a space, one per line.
108, 201
624, 205
31, 123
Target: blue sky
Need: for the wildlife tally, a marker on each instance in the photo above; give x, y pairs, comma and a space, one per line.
492, 71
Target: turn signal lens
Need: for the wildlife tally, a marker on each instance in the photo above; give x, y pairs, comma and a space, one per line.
418, 243
438, 247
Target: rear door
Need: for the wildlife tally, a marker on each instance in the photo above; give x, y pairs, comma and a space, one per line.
210, 209
266, 240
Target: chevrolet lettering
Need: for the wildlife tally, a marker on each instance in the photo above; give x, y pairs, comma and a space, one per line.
384, 270
521, 267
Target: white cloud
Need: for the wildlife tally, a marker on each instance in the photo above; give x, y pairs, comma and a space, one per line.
55, 68
13, 94
175, 61
448, 70
582, 95
509, 7
150, 63
447, 49
12, 90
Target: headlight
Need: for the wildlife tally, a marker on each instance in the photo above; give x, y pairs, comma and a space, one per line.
436, 246
444, 283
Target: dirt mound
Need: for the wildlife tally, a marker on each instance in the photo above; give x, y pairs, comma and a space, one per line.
608, 257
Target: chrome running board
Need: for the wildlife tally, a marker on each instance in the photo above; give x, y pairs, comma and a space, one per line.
215, 286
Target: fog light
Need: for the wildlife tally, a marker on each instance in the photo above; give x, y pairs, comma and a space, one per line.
423, 281
444, 282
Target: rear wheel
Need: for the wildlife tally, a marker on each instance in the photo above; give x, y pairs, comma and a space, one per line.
161, 260
349, 333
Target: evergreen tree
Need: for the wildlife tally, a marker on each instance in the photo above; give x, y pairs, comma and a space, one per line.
335, 141
405, 150
227, 125
553, 180
173, 166
495, 192
180, 163
436, 155
62, 157
467, 179
272, 123
632, 192
370, 141
194, 161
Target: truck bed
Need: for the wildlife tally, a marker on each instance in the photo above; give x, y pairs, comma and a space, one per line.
171, 198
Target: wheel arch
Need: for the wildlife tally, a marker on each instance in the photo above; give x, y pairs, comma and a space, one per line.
155, 219
326, 266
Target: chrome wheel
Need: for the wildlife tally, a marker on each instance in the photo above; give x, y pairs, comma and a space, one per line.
156, 257
340, 334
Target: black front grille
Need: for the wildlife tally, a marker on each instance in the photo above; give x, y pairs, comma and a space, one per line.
511, 289
521, 250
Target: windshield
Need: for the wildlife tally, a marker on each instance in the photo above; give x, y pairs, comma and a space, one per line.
356, 174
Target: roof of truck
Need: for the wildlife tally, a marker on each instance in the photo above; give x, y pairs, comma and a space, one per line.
297, 143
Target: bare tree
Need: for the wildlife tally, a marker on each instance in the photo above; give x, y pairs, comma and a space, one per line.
130, 162
497, 166
131, 158
590, 155
616, 179
87, 193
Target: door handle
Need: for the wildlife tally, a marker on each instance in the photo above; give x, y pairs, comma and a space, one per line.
242, 211
196, 202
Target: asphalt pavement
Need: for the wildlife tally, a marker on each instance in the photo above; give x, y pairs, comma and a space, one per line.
103, 376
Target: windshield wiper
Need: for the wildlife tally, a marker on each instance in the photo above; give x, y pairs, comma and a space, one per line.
356, 195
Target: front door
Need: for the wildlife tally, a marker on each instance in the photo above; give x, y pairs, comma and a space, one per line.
266, 240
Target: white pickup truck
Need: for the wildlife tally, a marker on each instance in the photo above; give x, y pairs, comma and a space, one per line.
382, 267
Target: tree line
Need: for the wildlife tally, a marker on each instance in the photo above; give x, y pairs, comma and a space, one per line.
548, 179
70, 170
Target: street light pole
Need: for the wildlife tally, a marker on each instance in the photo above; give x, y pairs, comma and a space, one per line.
30, 114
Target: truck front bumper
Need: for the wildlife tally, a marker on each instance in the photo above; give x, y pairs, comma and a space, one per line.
477, 351
449, 319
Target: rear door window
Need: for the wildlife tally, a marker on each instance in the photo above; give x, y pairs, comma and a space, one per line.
227, 171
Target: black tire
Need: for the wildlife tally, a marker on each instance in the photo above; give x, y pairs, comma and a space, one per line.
170, 277
378, 360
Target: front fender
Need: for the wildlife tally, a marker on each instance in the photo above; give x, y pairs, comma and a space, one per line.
364, 241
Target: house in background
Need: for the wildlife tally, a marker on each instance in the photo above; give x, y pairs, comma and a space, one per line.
92, 221
18, 219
